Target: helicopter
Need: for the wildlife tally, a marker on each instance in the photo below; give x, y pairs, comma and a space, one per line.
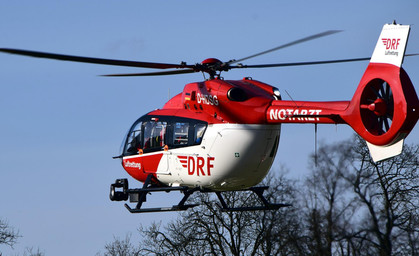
222, 135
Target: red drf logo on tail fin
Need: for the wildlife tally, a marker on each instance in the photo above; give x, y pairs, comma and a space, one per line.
197, 164
391, 43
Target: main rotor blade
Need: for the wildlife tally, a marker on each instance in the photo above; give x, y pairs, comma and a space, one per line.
162, 73
308, 38
299, 63
125, 63
309, 62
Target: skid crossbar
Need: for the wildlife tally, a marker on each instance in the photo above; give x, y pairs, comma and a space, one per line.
139, 196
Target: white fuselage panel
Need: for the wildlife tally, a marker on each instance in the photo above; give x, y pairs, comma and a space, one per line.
231, 156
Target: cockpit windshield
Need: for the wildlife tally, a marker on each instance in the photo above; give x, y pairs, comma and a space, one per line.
154, 133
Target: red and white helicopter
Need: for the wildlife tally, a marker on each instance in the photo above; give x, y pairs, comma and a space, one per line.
222, 135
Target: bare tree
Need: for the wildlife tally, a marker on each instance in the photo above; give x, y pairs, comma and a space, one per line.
327, 204
388, 191
120, 247
205, 230
384, 198
30, 251
8, 235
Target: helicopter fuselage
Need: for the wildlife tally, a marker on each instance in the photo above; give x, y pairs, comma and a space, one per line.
229, 157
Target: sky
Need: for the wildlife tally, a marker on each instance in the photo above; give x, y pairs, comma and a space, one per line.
61, 122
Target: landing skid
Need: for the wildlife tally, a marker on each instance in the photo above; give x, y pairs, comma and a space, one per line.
139, 196
266, 205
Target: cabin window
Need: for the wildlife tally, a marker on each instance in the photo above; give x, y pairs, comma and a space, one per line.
180, 135
154, 134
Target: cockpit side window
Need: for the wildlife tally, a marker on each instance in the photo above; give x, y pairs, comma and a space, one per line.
199, 133
134, 141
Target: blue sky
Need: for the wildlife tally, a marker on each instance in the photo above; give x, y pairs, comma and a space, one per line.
62, 123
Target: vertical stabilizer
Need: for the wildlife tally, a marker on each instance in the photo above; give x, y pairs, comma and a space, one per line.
391, 45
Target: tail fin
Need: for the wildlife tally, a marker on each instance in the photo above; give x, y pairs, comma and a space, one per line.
385, 107
391, 45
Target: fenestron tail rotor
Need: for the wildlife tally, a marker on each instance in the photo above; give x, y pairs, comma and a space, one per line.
377, 107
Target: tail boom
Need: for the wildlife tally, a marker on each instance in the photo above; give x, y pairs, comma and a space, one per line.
306, 112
